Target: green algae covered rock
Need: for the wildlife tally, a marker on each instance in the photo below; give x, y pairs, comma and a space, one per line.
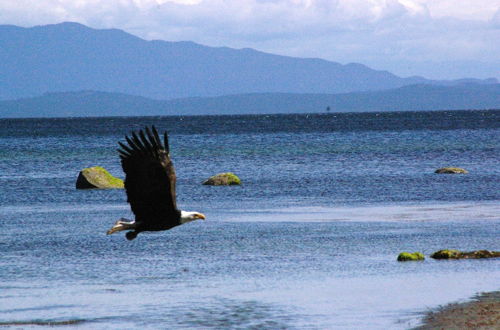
446, 254
223, 179
480, 254
407, 256
456, 254
451, 170
97, 178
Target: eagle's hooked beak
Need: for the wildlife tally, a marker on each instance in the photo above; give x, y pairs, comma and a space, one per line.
201, 216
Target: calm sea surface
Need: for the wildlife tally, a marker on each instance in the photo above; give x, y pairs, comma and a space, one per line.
309, 241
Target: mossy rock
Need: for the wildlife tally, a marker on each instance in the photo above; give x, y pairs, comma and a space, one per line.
407, 256
223, 179
451, 170
480, 254
456, 254
446, 254
97, 178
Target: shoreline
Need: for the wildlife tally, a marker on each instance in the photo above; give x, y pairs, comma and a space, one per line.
481, 312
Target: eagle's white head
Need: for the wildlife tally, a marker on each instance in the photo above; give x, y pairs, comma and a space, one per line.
191, 216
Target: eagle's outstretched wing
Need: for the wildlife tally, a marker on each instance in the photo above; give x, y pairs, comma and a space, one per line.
150, 179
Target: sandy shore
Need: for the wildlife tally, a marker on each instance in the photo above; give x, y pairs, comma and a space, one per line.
483, 312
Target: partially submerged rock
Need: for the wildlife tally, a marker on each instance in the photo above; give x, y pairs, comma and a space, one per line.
407, 256
223, 179
97, 177
451, 170
446, 254
456, 254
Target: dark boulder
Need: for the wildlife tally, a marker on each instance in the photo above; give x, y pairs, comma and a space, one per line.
451, 170
97, 178
456, 254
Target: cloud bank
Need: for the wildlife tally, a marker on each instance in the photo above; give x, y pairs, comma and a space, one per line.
434, 38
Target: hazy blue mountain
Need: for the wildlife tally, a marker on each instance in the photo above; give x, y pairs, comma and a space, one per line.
72, 57
81, 104
414, 97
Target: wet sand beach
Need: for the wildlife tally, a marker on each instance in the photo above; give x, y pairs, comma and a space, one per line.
482, 312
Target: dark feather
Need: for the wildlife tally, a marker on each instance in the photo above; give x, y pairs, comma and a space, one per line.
125, 150
132, 144
145, 142
153, 140
138, 143
156, 136
165, 139
150, 180
123, 154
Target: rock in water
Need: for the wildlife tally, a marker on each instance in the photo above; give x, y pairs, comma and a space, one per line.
451, 170
407, 256
446, 254
455, 254
223, 179
97, 178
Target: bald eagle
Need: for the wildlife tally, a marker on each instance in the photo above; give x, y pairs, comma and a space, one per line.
150, 185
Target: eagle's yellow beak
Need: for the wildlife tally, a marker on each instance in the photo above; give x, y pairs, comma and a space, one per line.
201, 216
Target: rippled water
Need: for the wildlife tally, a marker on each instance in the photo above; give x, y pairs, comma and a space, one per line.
308, 241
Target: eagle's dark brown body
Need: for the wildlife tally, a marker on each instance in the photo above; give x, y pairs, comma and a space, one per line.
150, 185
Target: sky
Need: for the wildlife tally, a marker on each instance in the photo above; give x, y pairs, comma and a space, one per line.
437, 39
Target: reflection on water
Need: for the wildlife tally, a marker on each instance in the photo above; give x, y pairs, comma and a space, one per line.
242, 274
50, 323
230, 313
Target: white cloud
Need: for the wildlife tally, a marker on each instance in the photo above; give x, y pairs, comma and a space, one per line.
391, 34
463, 9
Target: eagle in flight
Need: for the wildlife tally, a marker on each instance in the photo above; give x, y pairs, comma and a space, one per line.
150, 185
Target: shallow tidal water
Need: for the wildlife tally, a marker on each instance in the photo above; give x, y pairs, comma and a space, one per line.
309, 241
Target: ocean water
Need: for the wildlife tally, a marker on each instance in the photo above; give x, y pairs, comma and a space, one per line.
309, 241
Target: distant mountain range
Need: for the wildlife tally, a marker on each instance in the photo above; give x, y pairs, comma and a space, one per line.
413, 97
71, 57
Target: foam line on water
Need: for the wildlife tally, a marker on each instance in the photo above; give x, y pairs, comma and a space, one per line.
464, 211
48, 208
